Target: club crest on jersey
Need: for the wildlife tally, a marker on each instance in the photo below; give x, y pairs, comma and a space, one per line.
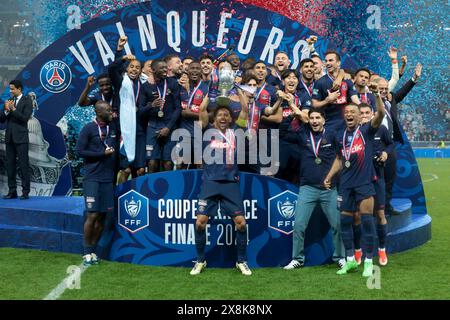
55, 76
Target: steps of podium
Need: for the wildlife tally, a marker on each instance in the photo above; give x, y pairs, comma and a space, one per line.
56, 224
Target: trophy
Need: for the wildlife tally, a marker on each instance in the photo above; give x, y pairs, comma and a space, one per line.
226, 82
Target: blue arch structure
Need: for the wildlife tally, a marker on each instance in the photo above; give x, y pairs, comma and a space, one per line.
99, 35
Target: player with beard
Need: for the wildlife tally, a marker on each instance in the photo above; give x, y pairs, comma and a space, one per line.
362, 77
265, 95
220, 185
162, 108
174, 66
318, 148
210, 76
306, 84
280, 64
330, 95
235, 63
356, 188
192, 96
186, 62
106, 93
383, 145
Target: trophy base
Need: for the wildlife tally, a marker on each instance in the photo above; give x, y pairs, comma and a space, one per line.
223, 101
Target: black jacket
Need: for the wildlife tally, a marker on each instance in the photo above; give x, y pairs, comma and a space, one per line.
17, 121
397, 97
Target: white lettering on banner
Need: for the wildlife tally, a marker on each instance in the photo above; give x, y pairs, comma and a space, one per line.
251, 37
83, 59
122, 34
105, 51
198, 40
222, 30
182, 233
174, 42
132, 222
146, 30
271, 45
227, 234
305, 53
187, 209
177, 208
148, 40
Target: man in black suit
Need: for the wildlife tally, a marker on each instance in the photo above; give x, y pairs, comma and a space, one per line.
16, 113
391, 99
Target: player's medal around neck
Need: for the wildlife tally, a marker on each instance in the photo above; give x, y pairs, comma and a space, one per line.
162, 96
347, 153
316, 147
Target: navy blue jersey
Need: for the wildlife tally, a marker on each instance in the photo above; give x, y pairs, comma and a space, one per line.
255, 112
266, 94
334, 113
220, 155
292, 123
274, 81
172, 105
90, 146
368, 98
192, 100
312, 173
361, 169
305, 93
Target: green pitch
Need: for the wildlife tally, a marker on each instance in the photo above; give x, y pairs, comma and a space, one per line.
421, 273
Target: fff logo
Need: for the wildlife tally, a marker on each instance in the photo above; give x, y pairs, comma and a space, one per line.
133, 211
281, 211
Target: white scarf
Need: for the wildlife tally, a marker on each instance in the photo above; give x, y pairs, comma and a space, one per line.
128, 117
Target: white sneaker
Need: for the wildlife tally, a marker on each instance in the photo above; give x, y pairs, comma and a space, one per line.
198, 267
243, 267
294, 264
94, 258
341, 263
87, 260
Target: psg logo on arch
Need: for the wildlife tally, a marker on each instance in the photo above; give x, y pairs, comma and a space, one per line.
55, 76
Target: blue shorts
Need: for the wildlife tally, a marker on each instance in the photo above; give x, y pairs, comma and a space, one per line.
227, 193
140, 160
349, 198
158, 149
98, 196
380, 189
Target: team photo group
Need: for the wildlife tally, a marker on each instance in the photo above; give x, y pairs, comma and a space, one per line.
330, 131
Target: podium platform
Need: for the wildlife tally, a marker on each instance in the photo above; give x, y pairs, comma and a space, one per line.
56, 224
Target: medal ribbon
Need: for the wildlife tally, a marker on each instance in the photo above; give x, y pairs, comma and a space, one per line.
347, 153
100, 133
315, 146
163, 96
